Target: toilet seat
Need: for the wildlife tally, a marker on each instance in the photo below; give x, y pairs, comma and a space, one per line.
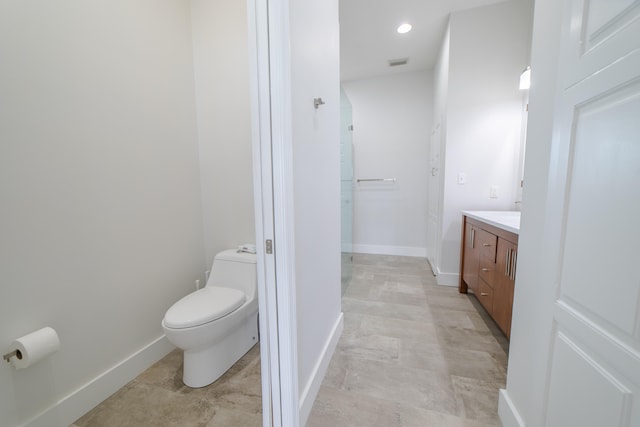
203, 306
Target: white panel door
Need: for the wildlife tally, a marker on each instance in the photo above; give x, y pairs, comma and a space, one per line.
594, 218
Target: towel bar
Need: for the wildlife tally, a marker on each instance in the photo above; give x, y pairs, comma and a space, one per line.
377, 180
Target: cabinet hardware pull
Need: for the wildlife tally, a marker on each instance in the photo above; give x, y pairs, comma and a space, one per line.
511, 268
485, 244
473, 238
507, 271
484, 294
513, 265
485, 269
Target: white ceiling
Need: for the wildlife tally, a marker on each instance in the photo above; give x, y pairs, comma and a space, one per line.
368, 37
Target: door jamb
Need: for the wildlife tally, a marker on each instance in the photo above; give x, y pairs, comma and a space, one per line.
274, 208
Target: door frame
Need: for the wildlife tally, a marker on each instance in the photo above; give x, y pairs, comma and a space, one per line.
273, 198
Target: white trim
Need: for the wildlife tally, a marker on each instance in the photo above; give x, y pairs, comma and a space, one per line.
390, 250
507, 411
310, 392
447, 279
283, 208
258, 24
83, 399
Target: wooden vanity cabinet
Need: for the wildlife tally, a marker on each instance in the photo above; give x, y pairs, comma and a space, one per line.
488, 263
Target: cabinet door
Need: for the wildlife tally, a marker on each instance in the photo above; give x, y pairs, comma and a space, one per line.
471, 258
505, 275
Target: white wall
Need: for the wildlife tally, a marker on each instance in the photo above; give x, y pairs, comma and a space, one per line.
441, 79
489, 48
316, 188
221, 62
392, 123
100, 187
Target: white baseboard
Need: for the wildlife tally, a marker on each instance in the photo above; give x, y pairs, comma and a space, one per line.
73, 406
390, 250
310, 392
507, 411
447, 279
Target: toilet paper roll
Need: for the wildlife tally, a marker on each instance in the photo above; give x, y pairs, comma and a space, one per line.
34, 347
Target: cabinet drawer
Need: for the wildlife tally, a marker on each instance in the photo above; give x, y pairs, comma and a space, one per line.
486, 243
487, 270
485, 296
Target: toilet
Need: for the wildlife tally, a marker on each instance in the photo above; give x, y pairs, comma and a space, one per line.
216, 325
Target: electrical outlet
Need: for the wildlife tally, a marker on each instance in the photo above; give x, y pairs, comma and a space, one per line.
493, 193
462, 178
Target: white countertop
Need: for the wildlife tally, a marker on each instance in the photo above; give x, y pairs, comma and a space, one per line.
506, 220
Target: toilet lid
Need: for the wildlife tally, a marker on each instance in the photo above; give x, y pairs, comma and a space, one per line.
203, 306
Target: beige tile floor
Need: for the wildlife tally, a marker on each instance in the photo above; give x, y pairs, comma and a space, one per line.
158, 398
412, 354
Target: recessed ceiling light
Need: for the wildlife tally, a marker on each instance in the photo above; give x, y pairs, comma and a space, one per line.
404, 28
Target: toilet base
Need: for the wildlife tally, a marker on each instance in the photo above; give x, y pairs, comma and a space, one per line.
202, 367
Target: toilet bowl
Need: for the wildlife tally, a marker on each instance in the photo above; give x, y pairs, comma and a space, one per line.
216, 325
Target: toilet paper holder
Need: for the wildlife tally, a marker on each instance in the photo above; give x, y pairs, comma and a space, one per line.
33, 347
15, 353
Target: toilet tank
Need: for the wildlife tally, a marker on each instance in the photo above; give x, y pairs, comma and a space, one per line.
233, 269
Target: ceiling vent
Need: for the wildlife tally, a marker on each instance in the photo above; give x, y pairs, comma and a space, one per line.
396, 62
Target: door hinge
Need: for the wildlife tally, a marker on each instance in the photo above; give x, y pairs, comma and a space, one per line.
269, 246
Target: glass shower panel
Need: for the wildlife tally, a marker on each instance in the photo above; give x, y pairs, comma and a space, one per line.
346, 187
